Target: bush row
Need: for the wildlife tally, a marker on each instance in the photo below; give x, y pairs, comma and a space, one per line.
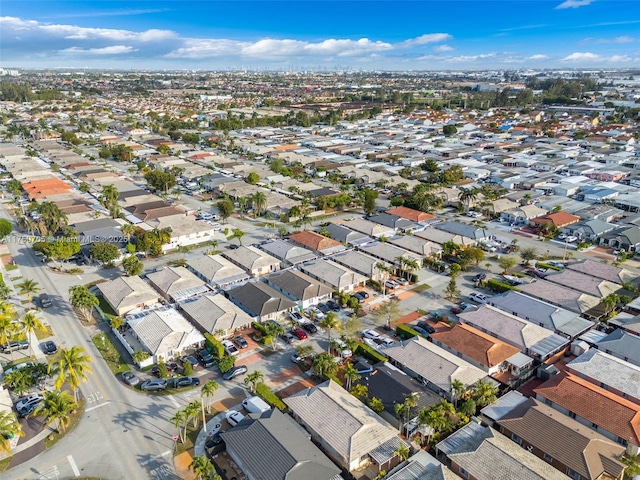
369, 353
271, 398
259, 327
547, 266
213, 345
498, 286
404, 332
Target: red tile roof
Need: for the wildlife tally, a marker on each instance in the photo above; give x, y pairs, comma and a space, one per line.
314, 240
559, 219
411, 214
45, 187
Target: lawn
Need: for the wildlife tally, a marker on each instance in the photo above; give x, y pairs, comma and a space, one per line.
10, 267
44, 332
74, 419
4, 463
421, 288
111, 356
105, 307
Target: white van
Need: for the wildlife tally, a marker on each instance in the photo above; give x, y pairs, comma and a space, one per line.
255, 405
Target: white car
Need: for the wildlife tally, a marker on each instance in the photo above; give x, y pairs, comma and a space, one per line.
478, 297
229, 347
391, 285
570, 239
473, 214
29, 401
555, 264
234, 417
317, 312
371, 334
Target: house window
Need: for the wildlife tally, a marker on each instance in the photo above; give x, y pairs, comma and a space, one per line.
547, 458
463, 473
594, 426
603, 385
547, 401
516, 439
572, 415
573, 474
621, 441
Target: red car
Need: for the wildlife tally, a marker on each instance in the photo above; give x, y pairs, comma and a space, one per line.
301, 334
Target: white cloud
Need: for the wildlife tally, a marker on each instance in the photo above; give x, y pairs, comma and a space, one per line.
574, 4
581, 57
424, 40
538, 56
443, 48
112, 50
592, 58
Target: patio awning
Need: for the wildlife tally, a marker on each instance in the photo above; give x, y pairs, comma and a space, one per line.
383, 453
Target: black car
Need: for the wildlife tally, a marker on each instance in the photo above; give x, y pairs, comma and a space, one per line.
213, 440
358, 297
323, 308
45, 301
421, 331
235, 371
363, 294
190, 359
206, 359
333, 305
15, 346
184, 382
49, 347
240, 342
424, 325
310, 327
479, 277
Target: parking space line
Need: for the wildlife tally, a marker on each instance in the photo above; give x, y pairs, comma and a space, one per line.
74, 467
97, 406
163, 454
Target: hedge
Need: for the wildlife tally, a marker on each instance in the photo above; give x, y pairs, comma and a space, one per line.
331, 376
259, 327
369, 353
547, 266
497, 286
271, 398
213, 345
405, 332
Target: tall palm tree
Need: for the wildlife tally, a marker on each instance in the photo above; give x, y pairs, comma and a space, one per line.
52, 218
9, 428
484, 393
128, 230
402, 451
253, 379
350, 375
72, 367
28, 287
7, 329
410, 265
458, 390
237, 234
109, 200
401, 411
180, 421
208, 391
467, 197
192, 412
330, 322
323, 363
385, 271
610, 301
259, 202
57, 406
30, 323
202, 467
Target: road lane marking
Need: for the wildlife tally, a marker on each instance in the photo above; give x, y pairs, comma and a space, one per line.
174, 401
74, 467
163, 454
97, 406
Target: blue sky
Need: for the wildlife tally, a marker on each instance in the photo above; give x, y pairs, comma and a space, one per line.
315, 34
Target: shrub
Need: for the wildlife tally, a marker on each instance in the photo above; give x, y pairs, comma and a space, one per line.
331, 376
271, 398
268, 340
497, 286
547, 266
226, 363
187, 368
405, 332
213, 345
259, 327
369, 353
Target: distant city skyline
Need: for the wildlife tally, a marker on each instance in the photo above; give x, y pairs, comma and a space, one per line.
386, 35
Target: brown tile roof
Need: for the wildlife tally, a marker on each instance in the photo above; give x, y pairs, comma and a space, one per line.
475, 344
411, 214
45, 187
559, 219
610, 412
314, 240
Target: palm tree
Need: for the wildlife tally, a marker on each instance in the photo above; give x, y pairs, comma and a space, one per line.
180, 421
359, 391
458, 390
128, 230
350, 375
468, 196
208, 391
237, 234
109, 200
253, 379
30, 323
402, 451
259, 202
385, 271
9, 428
73, 367
52, 218
7, 329
192, 411
330, 322
410, 265
610, 302
484, 393
323, 363
28, 287
202, 467
57, 407
401, 411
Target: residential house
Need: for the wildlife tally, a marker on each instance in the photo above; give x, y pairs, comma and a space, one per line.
185, 231
153, 210
393, 221
177, 283
300, 287
477, 234
563, 442
531, 339
334, 275
551, 317
622, 344
390, 253
288, 253
421, 466
413, 215
316, 242
349, 432
252, 260
440, 237
435, 367
558, 219
260, 300
124, 294
215, 314
601, 270
363, 264
626, 239
163, 333
583, 282
563, 297
609, 372
611, 415
590, 230
217, 271
369, 228
417, 245
476, 452
347, 236
276, 436
522, 215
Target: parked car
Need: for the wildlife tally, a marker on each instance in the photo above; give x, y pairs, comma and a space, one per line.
19, 366
401, 281
323, 308
479, 277
171, 367
310, 327
333, 305
421, 331
534, 273
426, 326
206, 359
296, 317
363, 294
28, 404
240, 342
391, 285
152, 385
313, 311
358, 297
234, 417
371, 334
49, 347
473, 214
386, 341
235, 371
213, 439
571, 239
288, 337
45, 301
184, 382
15, 345
190, 359
555, 264
478, 297
229, 347
130, 379
300, 333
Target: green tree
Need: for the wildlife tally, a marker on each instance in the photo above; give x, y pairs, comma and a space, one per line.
273, 330
468, 196
259, 202
359, 391
9, 428
370, 197
610, 302
6, 227
80, 297
160, 180
324, 364
72, 367
236, 234
109, 200
253, 379
51, 219
402, 451
449, 130
132, 266
208, 391
330, 322
387, 312
180, 421
507, 263
226, 363
202, 467
451, 292
140, 356
29, 288
225, 208
528, 254
60, 249
105, 252
376, 405
484, 393
128, 230
57, 406
30, 324
454, 270
350, 375
253, 178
